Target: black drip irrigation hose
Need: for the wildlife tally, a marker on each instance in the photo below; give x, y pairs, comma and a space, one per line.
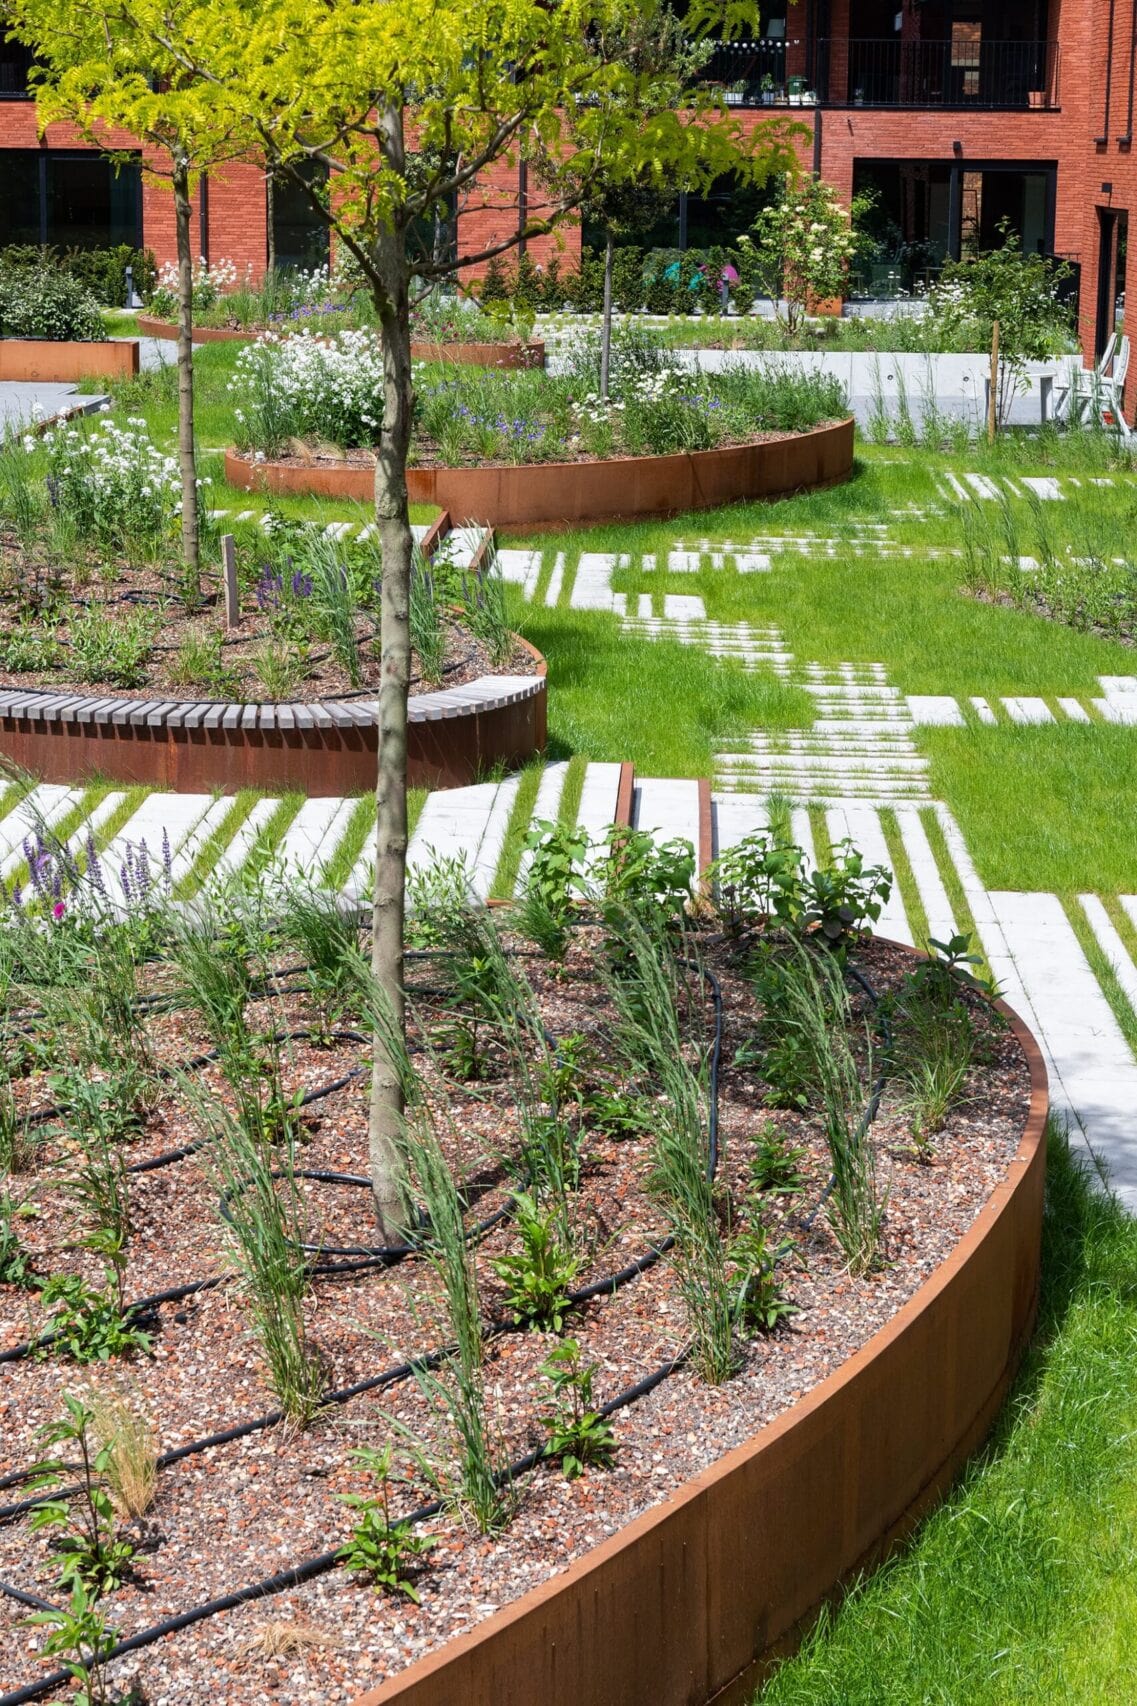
321, 1563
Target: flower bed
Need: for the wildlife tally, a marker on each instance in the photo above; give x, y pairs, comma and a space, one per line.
670, 1334
530, 449
50, 326
505, 354
549, 494
113, 662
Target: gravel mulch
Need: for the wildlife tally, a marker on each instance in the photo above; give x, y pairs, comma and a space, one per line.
235, 1513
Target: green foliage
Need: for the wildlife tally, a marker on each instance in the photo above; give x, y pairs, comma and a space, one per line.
388, 1552
760, 877
537, 1276
89, 1325
635, 874
553, 881
1020, 291
760, 1303
44, 302
15, 1266
81, 1638
102, 272
89, 1553
579, 1435
844, 895
803, 244
775, 1165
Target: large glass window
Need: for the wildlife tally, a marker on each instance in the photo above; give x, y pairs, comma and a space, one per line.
299, 237
14, 63
75, 201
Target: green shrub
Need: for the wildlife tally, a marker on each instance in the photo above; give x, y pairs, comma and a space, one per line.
44, 302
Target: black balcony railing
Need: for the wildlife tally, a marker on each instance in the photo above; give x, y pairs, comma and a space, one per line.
15, 63
958, 73
748, 73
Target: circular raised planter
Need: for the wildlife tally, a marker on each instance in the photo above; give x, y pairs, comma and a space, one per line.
50, 362
511, 355
692, 1601
326, 748
552, 494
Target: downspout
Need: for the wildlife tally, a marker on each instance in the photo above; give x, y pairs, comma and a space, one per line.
1126, 141
203, 216
1102, 141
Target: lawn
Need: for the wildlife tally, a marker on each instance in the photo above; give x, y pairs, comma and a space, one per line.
877, 579
1023, 1586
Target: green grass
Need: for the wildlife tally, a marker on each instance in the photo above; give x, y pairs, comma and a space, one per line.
216, 842
1039, 807
360, 826
904, 878
516, 830
662, 705
568, 806
1023, 1586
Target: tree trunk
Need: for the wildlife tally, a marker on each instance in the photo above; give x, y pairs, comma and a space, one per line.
187, 461
392, 301
606, 324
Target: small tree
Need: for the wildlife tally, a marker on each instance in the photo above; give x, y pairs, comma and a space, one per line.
407, 109
121, 65
1022, 292
803, 245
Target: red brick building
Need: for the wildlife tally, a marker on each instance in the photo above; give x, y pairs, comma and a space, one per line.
959, 113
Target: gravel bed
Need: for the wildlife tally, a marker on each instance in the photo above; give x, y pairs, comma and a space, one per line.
235, 1513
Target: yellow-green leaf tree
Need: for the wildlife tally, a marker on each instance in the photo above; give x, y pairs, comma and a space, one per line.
108, 66
408, 105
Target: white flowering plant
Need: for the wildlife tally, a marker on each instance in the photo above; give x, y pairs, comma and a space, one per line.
329, 391
210, 284
304, 387
803, 243
111, 482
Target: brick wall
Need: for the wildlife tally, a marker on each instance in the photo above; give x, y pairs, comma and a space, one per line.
1088, 153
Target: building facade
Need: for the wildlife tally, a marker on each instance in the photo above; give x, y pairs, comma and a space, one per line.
955, 114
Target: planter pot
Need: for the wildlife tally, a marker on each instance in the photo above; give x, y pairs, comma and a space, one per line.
552, 494
40, 359
688, 1603
826, 307
1036, 98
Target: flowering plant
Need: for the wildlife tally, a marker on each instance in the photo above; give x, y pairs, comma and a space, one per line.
803, 245
300, 386
111, 481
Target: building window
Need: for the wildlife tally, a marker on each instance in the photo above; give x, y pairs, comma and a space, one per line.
298, 237
15, 62
74, 201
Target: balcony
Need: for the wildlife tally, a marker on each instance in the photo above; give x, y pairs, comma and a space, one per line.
964, 73
751, 73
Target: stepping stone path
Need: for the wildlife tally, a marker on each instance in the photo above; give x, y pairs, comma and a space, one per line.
857, 771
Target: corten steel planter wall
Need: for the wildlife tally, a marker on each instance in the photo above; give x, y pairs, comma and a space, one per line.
323, 749
552, 494
688, 1603
513, 355
148, 327
54, 363
527, 355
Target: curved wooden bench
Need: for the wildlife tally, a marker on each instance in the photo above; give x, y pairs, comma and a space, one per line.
326, 748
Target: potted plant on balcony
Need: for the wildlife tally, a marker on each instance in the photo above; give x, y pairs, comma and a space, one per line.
735, 94
768, 90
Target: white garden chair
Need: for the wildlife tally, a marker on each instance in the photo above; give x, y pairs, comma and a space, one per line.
1100, 390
